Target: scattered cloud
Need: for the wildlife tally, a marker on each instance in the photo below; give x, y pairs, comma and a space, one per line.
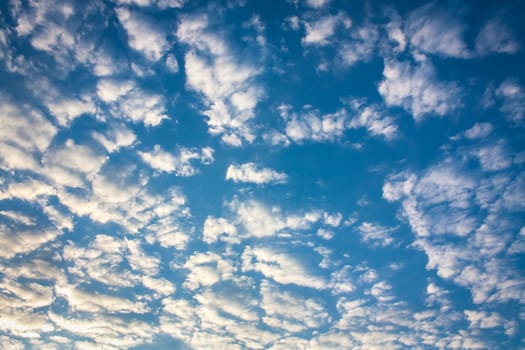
496, 37
250, 172
479, 131
374, 120
142, 34
228, 85
126, 100
320, 31
415, 88
512, 99
106, 239
180, 164
317, 3
376, 235
434, 30
21, 144
280, 267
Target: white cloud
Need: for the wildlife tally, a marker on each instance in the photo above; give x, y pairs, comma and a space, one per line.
479, 131
116, 137
312, 127
119, 194
107, 331
496, 37
494, 157
376, 235
71, 164
380, 291
24, 322
142, 106
79, 300
159, 285
280, 267
128, 101
317, 3
219, 229
434, 30
512, 98
24, 135
447, 200
251, 172
161, 4
28, 294
360, 46
374, 120
206, 269
61, 219
180, 165
252, 219
110, 90
325, 234
66, 109
319, 32
227, 85
395, 33
16, 240
184, 321
100, 261
290, 312
168, 230
416, 90
483, 319
143, 36
172, 64
18, 217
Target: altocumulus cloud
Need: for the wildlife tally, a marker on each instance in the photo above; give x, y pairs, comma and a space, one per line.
211, 174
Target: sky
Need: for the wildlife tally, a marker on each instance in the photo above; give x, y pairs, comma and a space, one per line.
249, 174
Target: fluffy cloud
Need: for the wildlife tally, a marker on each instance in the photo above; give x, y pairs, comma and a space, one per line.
312, 127
360, 46
512, 99
290, 312
416, 89
127, 100
143, 36
250, 172
21, 143
22, 241
79, 300
317, 3
280, 267
479, 131
115, 137
180, 165
320, 31
436, 31
445, 200
227, 85
206, 269
219, 229
376, 235
374, 120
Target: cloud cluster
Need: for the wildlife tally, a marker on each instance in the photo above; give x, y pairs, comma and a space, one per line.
228, 86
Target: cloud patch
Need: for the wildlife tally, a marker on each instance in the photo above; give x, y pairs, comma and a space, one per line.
251, 173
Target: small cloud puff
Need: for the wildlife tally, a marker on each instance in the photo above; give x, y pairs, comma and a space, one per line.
251, 172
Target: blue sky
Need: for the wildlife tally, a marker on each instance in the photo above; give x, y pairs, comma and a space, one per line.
300, 174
